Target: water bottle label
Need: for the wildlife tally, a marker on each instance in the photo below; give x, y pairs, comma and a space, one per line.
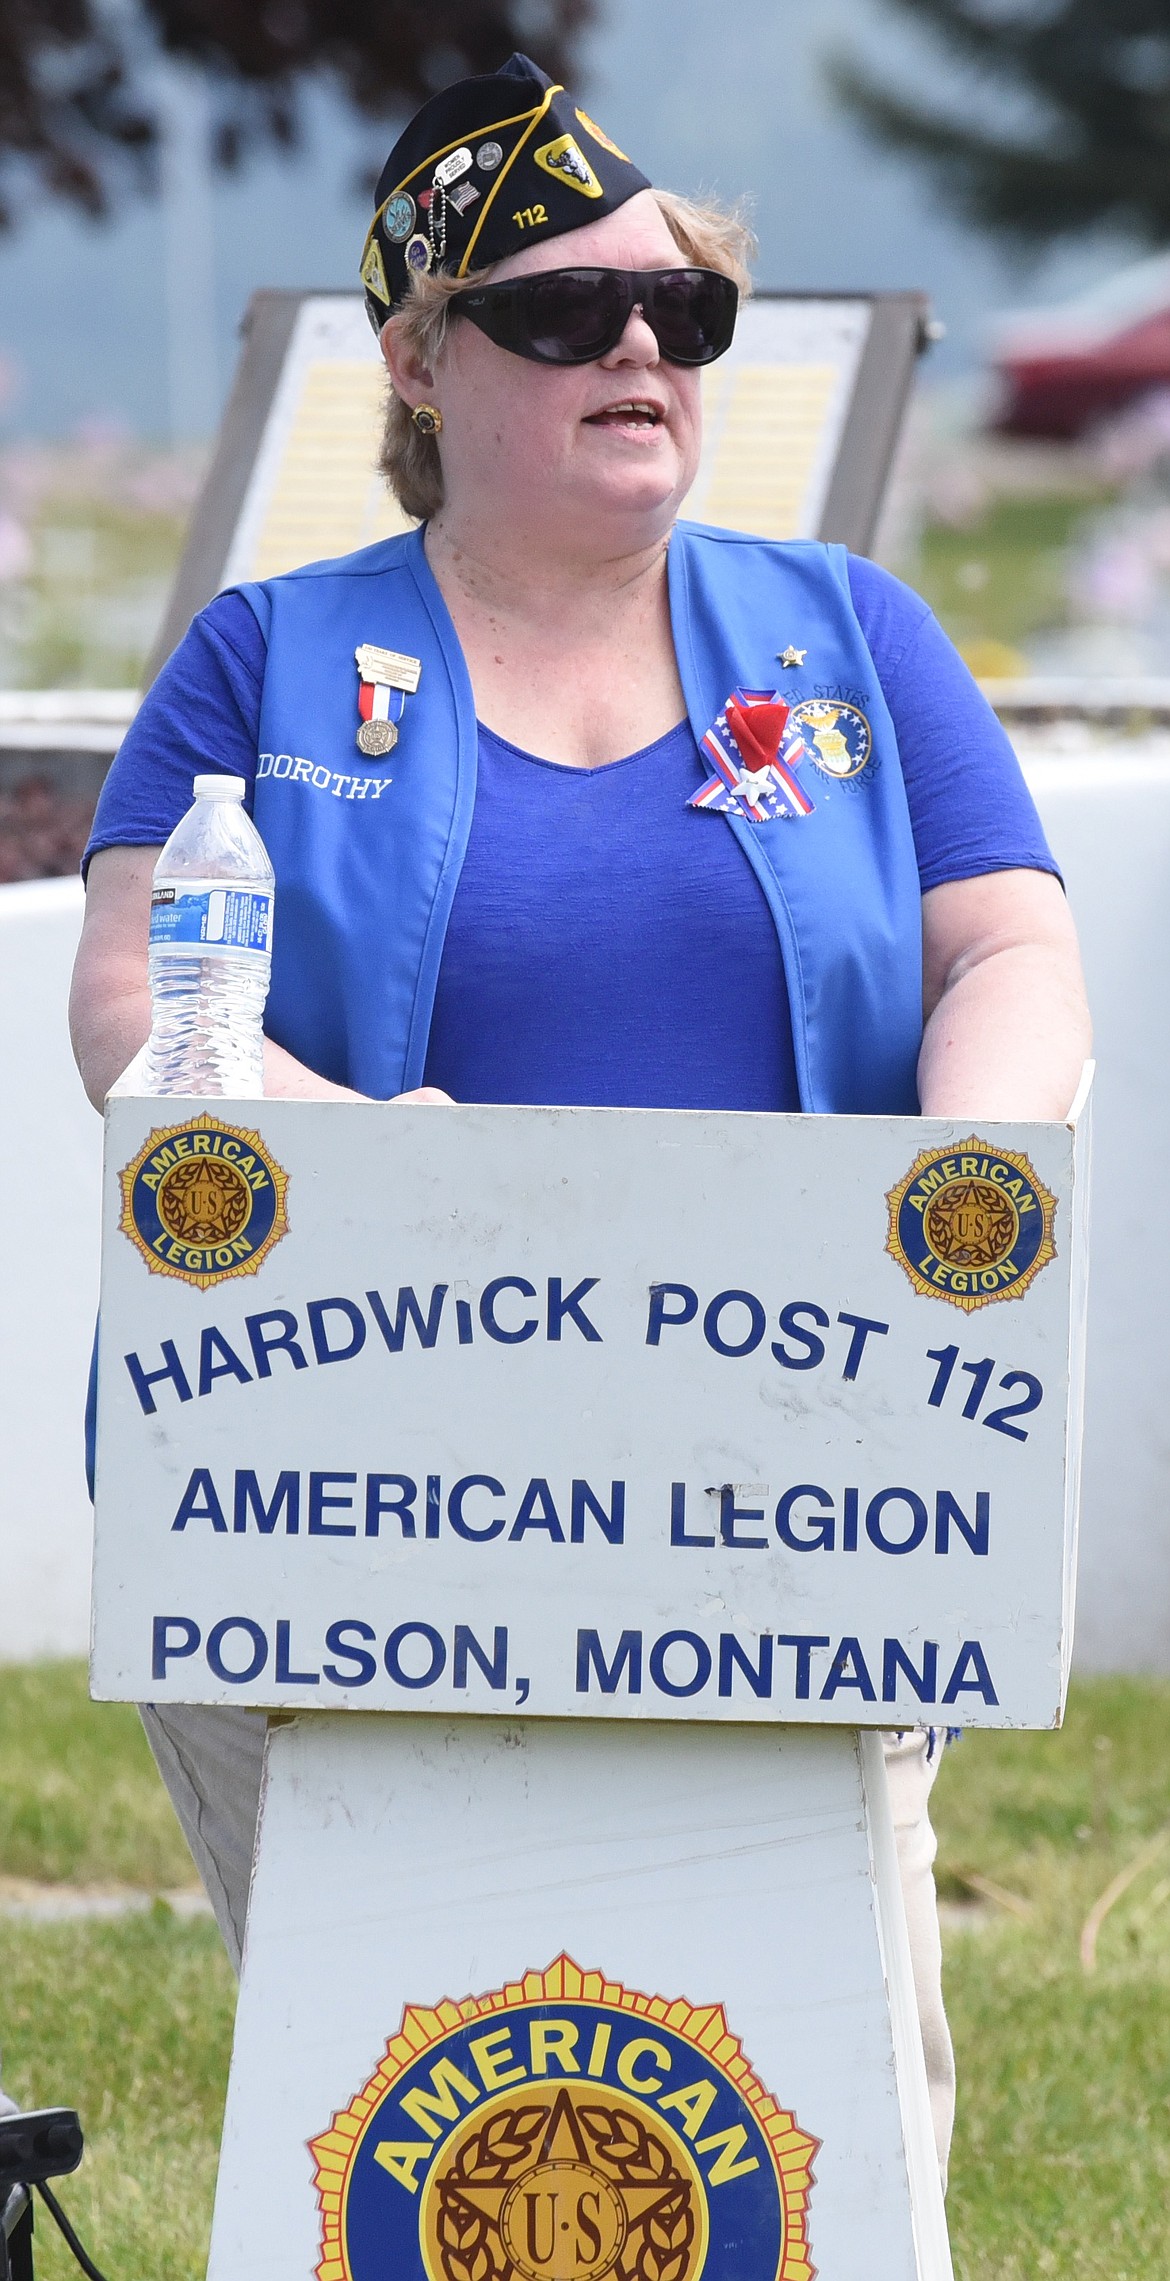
216, 918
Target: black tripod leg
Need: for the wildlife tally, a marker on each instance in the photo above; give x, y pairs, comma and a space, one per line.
20, 2249
16, 2248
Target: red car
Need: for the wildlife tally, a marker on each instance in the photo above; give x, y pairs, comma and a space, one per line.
1063, 370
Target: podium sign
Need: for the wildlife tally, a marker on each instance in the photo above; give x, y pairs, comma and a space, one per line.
589, 1413
642, 1458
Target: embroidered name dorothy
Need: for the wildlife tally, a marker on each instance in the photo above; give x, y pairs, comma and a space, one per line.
322, 779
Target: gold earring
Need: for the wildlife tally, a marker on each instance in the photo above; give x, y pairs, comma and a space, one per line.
427, 419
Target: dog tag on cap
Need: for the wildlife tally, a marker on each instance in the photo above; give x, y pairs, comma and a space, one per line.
449, 169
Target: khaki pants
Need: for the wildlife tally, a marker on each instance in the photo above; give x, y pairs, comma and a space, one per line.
910, 1774
211, 1760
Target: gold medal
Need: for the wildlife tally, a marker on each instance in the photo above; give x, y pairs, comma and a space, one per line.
377, 737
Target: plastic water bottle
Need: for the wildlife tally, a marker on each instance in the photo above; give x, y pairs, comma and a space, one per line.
210, 949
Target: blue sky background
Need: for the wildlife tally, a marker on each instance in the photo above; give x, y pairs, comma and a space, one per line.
729, 99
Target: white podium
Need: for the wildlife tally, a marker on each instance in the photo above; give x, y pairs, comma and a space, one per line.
628, 1465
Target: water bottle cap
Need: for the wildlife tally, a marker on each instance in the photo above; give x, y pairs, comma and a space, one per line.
220, 787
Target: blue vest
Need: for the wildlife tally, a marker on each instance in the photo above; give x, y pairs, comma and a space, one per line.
367, 853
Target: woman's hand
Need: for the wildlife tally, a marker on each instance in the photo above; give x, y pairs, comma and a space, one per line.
432, 1095
1007, 1024
287, 1079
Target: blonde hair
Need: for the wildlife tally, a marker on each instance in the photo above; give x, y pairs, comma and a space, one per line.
708, 237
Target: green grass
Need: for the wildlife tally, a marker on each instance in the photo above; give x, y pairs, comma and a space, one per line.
103, 522
131, 2023
1061, 2166
80, 1801
997, 580
96, 594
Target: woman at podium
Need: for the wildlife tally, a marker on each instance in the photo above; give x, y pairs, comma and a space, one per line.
571, 801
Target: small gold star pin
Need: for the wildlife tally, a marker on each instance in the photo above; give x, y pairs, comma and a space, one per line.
792, 656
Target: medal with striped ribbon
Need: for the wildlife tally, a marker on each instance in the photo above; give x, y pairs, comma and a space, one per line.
388, 678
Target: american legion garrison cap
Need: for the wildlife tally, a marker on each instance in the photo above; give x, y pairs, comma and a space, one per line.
486, 167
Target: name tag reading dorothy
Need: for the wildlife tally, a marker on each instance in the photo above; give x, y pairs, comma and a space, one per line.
388, 667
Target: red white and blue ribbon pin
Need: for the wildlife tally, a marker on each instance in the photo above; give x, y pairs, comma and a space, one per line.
754, 775
388, 678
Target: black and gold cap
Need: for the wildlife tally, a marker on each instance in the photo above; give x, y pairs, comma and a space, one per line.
486, 167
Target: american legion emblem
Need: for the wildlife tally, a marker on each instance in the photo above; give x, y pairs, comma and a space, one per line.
564, 2128
971, 1224
204, 1201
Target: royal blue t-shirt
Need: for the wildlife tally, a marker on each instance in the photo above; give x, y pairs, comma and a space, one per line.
608, 944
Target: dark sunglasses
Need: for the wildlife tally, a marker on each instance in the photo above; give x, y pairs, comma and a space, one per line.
573, 316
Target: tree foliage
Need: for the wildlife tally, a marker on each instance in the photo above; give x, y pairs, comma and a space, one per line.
77, 113
1089, 79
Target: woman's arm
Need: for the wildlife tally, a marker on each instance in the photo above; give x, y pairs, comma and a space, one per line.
109, 1004
1007, 1024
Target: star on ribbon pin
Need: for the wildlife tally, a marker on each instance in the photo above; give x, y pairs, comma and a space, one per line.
754, 761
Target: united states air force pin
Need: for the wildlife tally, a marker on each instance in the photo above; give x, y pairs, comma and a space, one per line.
387, 680
836, 736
